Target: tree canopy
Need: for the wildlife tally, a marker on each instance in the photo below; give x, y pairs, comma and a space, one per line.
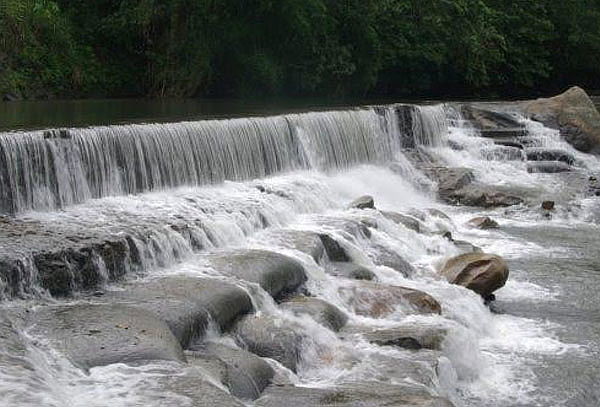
257, 48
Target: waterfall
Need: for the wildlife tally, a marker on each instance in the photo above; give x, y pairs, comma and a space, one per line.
430, 125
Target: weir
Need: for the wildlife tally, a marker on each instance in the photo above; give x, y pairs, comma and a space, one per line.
45, 170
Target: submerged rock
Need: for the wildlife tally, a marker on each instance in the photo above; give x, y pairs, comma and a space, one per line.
548, 167
276, 273
350, 270
321, 311
408, 221
412, 336
573, 113
270, 337
483, 222
102, 334
378, 300
302, 240
334, 250
546, 154
479, 195
449, 179
479, 272
351, 395
245, 374
364, 202
384, 256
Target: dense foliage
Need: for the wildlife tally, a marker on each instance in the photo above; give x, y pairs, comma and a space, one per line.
52, 48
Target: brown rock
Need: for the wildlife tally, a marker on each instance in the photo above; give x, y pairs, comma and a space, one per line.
548, 205
479, 272
483, 222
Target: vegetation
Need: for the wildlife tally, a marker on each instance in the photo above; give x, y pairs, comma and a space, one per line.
232, 48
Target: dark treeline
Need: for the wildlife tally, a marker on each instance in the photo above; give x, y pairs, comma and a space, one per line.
244, 48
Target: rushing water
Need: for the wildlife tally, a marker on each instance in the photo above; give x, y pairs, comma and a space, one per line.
243, 182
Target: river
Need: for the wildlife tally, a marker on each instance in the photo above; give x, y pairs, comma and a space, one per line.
258, 183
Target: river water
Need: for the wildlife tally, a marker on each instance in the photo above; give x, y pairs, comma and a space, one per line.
537, 345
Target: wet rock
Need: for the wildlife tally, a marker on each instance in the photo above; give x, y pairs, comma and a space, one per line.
350, 270
321, 311
548, 205
334, 250
487, 118
384, 256
506, 133
449, 179
304, 241
546, 154
548, 167
102, 334
408, 221
364, 202
412, 336
378, 300
351, 395
466, 247
245, 374
270, 337
479, 272
503, 153
274, 272
483, 222
187, 304
479, 195
57, 133
509, 143
573, 113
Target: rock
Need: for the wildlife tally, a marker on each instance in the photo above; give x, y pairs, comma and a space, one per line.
449, 179
304, 241
102, 334
485, 117
350, 270
187, 304
378, 300
389, 258
503, 153
483, 222
364, 202
269, 337
548, 167
479, 195
276, 273
547, 154
414, 336
573, 113
245, 374
321, 311
466, 247
548, 205
351, 395
504, 133
509, 143
408, 221
335, 252
479, 272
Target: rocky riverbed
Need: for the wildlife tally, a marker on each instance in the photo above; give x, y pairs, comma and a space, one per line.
398, 256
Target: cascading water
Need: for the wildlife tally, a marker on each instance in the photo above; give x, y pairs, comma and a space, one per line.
278, 181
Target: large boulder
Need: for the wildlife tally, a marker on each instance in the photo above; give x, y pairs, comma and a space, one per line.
187, 304
321, 311
276, 273
378, 300
102, 334
351, 395
271, 337
573, 113
245, 374
479, 272
304, 241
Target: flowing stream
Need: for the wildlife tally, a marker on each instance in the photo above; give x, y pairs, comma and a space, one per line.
180, 192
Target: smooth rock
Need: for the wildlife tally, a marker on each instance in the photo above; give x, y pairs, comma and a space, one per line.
384, 256
302, 240
485, 117
321, 311
449, 179
350, 270
371, 394
466, 247
276, 273
483, 196
408, 221
479, 272
364, 202
270, 337
506, 133
483, 222
574, 113
378, 300
245, 374
187, 304
102, 334
335, 251
548, 205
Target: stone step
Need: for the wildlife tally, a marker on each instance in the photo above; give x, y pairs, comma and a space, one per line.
509, 143
548, 167
548, 154
500, 133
